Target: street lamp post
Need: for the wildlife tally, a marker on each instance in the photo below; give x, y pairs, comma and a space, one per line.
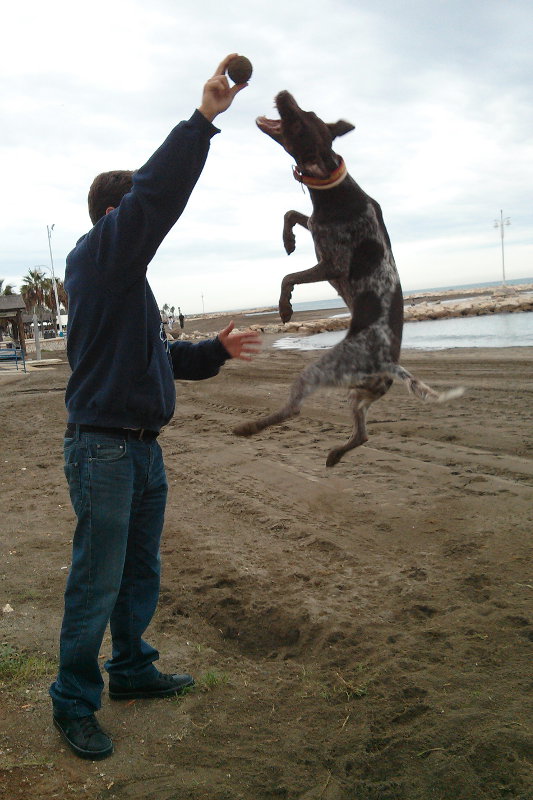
501, 223
49, 231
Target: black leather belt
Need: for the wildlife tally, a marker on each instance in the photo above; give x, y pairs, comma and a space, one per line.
139, 434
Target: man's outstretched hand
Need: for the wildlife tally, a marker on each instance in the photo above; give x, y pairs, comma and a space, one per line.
217, 95
240, 345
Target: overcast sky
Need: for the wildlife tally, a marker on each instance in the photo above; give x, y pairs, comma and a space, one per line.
440, 92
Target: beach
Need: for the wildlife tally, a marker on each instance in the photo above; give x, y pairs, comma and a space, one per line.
356, 633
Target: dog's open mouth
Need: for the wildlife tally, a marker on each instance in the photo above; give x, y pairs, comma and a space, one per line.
270, 126
288, 110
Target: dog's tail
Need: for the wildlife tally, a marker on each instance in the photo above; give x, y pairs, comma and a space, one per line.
422, 390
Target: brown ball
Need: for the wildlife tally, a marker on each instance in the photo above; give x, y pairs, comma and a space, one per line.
240, 69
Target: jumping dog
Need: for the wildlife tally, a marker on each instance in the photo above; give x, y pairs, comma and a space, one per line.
354, 254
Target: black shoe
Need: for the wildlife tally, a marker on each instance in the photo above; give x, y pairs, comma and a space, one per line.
161, 686
85, 736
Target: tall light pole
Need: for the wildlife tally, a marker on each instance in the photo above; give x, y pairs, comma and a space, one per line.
501, 223
54, 284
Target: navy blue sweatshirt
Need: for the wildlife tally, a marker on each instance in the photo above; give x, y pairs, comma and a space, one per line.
123, 367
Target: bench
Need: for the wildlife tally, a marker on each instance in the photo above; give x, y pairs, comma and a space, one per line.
15, 354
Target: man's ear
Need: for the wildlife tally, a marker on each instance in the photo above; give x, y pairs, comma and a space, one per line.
340, 128
109, 208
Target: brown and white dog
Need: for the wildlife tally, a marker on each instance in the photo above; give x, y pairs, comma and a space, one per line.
354, 254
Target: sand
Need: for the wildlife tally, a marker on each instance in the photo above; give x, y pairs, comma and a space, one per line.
361, 633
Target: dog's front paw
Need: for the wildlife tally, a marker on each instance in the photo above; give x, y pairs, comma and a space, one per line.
289, 243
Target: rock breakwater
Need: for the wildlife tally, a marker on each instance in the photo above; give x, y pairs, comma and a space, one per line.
418, 307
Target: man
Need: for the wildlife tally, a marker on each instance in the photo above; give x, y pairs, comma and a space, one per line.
120, 394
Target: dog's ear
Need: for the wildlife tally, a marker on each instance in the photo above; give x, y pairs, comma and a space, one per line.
340, 128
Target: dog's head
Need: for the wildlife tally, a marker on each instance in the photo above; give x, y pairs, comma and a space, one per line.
304, 136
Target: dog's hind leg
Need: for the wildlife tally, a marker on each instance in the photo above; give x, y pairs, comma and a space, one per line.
358, 437
304, 385
360, 398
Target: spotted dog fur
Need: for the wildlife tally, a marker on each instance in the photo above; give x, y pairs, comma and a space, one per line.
354, 254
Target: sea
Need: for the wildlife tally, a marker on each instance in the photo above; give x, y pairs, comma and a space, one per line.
494, 330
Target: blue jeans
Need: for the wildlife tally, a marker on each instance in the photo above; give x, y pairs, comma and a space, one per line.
118, 490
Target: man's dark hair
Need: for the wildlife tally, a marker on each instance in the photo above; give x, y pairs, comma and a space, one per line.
106, 190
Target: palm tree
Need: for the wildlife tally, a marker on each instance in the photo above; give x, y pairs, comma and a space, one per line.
62, 294
32, 289
8, 290
49, 300
50, 295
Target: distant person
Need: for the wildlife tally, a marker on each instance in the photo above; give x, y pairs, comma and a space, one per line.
181, 318
120, 394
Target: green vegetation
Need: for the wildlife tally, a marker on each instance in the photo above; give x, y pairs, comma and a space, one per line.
20, 669
211, 680
7, 289
207, 682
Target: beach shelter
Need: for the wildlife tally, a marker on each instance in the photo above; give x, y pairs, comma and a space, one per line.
11, 308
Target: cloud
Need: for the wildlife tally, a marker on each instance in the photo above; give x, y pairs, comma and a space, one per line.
440, 94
